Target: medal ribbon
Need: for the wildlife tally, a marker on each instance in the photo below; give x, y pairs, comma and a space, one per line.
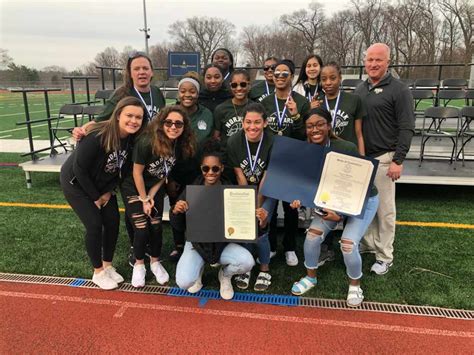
333, 114
253, 163
149, 111
282, 116
311, 97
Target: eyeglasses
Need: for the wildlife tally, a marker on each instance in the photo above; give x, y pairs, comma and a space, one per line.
284, 74
170, 123
319, 125
243, 85
205, 169
269, 67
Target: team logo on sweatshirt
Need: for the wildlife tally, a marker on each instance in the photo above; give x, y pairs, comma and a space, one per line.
115, 161
233, 125
158, 168
202, 125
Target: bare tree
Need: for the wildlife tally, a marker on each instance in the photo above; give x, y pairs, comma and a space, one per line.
5, 59
309, 23
201, 34
339, 36
463, 10
110, 57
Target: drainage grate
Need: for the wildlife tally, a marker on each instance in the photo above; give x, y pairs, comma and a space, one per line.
252, 297
239, 297
390, 308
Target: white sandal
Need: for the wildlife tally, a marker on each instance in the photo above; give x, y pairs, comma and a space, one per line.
302, 286
263, 281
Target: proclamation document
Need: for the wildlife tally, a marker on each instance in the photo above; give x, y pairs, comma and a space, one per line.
240, 222
344, 183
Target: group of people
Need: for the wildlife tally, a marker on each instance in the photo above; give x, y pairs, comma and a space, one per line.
221, 131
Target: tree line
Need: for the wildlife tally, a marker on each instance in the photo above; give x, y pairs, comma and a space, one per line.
417, 31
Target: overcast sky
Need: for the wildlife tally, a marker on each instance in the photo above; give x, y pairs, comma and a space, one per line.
69, 33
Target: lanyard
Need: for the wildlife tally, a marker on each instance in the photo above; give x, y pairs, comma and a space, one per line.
121, 159
226, 76
253, 163
311, 97
267, 89
333, 113
281, 116
149, 111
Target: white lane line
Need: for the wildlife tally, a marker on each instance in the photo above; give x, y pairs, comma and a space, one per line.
244, 315
22, 113
120, 312
24, 128
7, 136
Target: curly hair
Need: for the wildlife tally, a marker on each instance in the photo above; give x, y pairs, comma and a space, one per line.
161, 144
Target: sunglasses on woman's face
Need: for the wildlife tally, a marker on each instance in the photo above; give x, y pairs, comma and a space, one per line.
283, 74
170, 123
243, 85
205, 169
269, 67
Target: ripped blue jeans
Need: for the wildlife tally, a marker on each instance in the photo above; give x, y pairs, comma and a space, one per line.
354, 231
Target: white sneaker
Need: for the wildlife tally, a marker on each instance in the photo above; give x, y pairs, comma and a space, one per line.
380, 267
197, 286
226, 289
138, 276
103, 280
291, 258
355, 296
160, 273
113, 274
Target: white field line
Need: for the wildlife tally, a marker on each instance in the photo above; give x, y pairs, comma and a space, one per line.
21, 128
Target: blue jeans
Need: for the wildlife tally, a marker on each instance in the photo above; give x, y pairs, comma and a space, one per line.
354, 231
234, 258
263, 242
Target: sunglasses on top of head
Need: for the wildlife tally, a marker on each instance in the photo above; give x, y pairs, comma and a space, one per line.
243, 85
170, 123
284, 74
205, 169
269, 67
136, 54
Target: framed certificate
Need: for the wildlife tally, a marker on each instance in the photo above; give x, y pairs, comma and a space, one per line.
221, 213
344, 183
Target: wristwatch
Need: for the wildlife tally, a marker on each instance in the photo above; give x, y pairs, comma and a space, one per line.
397, 161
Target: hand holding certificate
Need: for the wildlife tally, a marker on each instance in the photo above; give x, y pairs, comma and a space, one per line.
221, 213
344, 183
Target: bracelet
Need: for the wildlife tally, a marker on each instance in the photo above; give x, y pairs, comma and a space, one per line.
146, 199
296, 117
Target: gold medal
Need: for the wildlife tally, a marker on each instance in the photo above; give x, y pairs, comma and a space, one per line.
253, 179
280, 133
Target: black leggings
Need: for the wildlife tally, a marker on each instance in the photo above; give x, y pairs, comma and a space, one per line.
178, 231
147, 229
290, 228
102, 225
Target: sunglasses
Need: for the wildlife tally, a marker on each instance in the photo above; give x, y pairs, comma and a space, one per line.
269, 67
318, 125
283, 74
243, 85
170, 123
205, 169
136, 54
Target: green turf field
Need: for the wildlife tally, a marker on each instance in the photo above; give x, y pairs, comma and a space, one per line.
12, 111
433, 266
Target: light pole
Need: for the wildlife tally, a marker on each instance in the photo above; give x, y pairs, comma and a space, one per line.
145, 29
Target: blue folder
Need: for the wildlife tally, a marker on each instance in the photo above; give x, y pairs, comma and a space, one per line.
295, 168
